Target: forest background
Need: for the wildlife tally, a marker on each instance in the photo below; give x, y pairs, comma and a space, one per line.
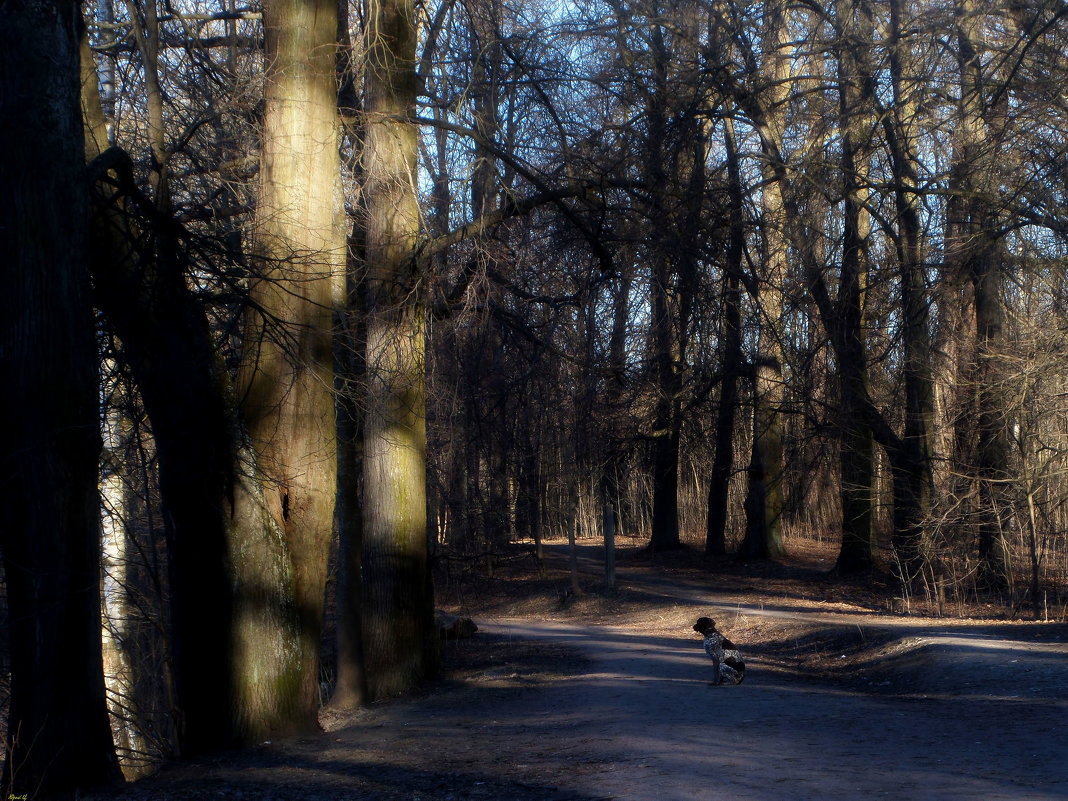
304, 299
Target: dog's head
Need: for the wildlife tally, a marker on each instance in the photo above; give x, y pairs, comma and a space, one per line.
704, 625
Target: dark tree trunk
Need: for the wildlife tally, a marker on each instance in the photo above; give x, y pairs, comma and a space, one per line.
993, 446
168, 345
665, 534
665, 444
981, 263
911, 492
58, 731
857, 551
351, 689
764, 502
664, 455
910, 459
730, 360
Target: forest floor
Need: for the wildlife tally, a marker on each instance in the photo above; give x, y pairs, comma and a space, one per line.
606, 695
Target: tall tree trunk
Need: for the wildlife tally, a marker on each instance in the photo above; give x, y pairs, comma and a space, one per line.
764, 503
857, 551
909, 453
666, 433
350, 690
731, 359
400, 641
485, 90
488, 449
613, 458
911, 458
58, 732
980, 264
665, 444
285, 500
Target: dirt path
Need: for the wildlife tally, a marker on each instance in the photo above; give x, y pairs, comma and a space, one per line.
642, 723
565, 709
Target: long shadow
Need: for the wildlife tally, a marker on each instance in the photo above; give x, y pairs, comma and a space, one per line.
297, 777
658, 590
935, 662
687, 589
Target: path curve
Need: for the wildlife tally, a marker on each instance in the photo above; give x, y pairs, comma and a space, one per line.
953, 712
947, 711
646, 726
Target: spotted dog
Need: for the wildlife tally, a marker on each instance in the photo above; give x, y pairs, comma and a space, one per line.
727, 662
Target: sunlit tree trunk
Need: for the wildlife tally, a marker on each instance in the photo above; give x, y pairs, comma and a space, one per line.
764, 503
59, 740
286, 489
400, 641
119, 674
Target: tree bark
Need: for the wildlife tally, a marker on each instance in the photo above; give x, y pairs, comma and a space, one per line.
286, 490
911, 457
666, 256
731, 359
58, 732
977, 253
399, 637
857, 552
764, 502
350, 689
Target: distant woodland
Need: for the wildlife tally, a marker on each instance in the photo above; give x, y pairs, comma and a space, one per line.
303, 298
